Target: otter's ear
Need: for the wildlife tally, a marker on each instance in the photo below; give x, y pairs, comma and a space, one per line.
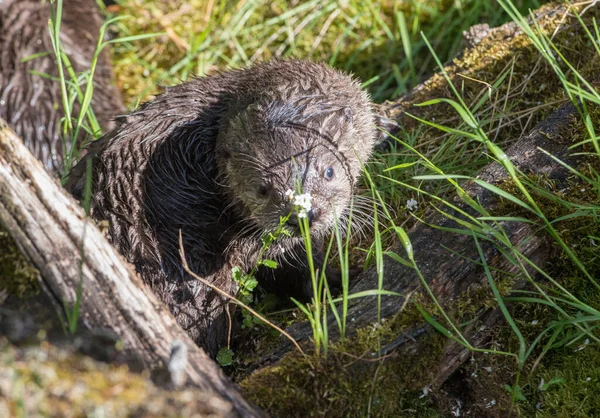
385, 128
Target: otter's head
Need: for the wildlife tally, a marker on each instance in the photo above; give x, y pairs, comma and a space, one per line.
313, 143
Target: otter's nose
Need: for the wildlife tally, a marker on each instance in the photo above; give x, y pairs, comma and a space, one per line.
294, 221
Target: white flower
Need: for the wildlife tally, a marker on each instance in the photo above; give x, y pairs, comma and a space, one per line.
412, 204
290, 194
534, 322
303, 202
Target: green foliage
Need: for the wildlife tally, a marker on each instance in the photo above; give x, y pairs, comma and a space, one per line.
225, 356
379, 41
555, 381
515, 393
71, 321
566, 386
246, 285
351, 381
576, 313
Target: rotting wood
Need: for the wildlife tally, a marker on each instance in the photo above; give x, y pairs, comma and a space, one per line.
53, 231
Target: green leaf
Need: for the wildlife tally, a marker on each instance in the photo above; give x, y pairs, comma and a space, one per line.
440, 177
405, 242
445, 128
434, 323
555, 381
34, 56
398, 259
248, 321
515, 392
503, 194
135, 38
398, 166
225, 357
464, 113
372, 292
250, 283
236, 273
269, 263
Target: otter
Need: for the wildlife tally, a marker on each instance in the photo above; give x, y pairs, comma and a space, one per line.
32, 104
216, 158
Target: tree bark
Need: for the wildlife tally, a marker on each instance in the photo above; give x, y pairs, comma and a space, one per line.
53, 231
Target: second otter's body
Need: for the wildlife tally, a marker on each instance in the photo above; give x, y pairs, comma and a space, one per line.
32, 103
214, 158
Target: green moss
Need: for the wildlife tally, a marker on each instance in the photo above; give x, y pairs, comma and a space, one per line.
350, 381
17, 276
353, 378
575, 394
45, 381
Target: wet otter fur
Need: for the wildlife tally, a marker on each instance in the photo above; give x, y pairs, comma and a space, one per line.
32, 104
214, 158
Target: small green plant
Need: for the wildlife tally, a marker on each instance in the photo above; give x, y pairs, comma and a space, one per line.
225, 356
72, 313
247, 282
555, 381
515, 392
77, 89
316, 311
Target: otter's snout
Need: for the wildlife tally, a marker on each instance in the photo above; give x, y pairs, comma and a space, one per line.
294, 220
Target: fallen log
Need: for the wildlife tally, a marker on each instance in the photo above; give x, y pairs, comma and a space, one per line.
70, 252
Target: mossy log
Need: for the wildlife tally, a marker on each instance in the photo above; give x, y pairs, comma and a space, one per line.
53, 381
71, 253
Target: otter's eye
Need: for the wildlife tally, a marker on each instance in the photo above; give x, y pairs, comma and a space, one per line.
262, 189
329, 173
